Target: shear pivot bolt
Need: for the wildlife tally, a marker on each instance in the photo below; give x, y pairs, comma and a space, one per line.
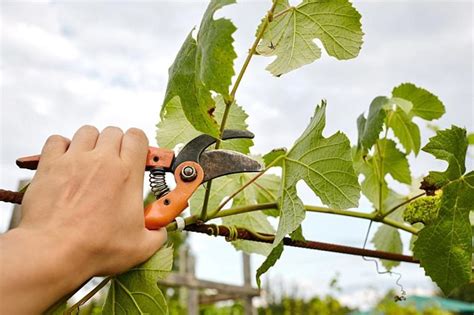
188, 173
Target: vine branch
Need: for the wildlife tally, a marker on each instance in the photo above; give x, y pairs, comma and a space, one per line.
244, 234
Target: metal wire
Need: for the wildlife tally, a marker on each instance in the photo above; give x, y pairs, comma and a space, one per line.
403, 293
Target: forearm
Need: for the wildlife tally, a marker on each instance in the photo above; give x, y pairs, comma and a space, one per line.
36, 270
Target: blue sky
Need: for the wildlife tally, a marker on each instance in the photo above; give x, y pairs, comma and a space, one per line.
69, 63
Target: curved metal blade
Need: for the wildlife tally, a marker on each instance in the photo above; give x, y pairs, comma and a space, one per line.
218, 163
193, 149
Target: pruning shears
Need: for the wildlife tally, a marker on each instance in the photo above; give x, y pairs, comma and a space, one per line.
192, 166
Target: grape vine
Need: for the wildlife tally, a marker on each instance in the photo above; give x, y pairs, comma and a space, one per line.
200, 98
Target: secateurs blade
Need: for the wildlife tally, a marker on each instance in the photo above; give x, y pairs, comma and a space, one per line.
191, 167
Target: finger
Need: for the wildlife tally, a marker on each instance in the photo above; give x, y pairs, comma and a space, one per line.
110, 139
153, 241
84, 139
54, 147
134, 149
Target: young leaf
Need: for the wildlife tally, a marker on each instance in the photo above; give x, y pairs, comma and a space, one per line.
290, 36
195, 99
269, 262
175, 129
424, 104
405, 130
215, 53
394, 161
370, 128
136, 290
203, 65
444, 246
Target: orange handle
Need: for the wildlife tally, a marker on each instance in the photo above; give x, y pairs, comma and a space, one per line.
164, 210
156, 157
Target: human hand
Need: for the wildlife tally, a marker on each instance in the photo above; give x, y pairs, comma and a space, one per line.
88, 194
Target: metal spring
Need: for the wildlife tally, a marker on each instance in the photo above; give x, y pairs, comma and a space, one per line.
158, 185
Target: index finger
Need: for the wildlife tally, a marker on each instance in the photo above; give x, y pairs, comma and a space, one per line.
134, 149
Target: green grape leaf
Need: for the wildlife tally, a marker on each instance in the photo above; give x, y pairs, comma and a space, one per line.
268, 188
395, 162
290, 36
292, 212
388, 239
270, 261
195, 99
215, 52
174, 128
297, 235
370, 128
268, 191
203, 65
424, 104
325, 164
403, 104
444, 246
375, 191
271, 156
451, 146
405, 130
136, 291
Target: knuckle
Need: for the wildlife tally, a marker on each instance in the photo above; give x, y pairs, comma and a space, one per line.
113, 129
89, 129
137, 134
56, 139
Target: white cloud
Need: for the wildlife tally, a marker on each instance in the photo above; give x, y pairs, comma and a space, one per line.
26, 38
